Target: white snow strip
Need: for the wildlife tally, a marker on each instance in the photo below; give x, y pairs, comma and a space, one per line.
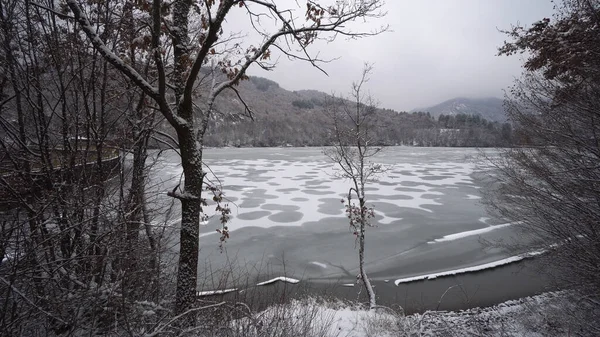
461, 235
322, 265
348, 285
8, 256
480, 267
473, 197
280, 278
215, 292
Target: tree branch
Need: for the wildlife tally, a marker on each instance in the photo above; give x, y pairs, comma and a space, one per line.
118, 63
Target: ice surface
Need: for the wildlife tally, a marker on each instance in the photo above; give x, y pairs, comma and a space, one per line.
251, 182
287, 202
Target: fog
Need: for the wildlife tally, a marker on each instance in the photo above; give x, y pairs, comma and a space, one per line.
434, 50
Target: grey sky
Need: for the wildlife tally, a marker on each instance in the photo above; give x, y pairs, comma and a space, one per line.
437, 50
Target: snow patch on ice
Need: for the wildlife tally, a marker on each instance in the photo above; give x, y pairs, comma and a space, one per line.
319, 264
215, 292
484, 219
280, 278
461, 235
480, 267
245, 179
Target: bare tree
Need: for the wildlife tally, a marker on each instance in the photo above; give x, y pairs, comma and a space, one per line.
186, 37
551, 184
65, 247
354, 124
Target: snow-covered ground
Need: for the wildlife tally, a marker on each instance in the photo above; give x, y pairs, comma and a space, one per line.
540, 315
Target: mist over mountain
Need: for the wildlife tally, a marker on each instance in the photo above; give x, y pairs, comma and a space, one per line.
490, 108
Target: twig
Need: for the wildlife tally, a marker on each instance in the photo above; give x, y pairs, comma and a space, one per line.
160, 330
30, 301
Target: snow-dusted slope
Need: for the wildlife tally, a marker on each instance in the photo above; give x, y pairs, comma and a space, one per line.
541, 315
490, 108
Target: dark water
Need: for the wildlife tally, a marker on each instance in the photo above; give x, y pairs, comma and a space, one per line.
459, 292
463, 291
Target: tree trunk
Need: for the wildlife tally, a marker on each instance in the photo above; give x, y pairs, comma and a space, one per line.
133, 219
361, 256
187, 274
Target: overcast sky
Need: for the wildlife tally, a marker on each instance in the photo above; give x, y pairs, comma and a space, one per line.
436, 50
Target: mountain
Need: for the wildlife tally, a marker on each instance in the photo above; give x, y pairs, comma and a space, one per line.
298, 118
490, 108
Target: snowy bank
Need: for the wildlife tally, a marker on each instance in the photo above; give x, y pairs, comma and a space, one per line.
540, 315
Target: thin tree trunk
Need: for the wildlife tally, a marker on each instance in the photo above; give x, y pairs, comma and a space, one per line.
361, 257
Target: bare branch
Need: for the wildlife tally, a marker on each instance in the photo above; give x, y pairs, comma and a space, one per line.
161, 329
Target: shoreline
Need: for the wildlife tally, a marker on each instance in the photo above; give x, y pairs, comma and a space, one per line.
477, 289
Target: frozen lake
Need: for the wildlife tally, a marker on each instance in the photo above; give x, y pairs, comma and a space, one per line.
288, 218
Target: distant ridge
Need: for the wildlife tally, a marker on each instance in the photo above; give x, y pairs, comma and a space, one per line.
490, 108
298, 118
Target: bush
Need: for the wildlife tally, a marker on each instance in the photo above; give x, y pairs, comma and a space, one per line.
263, 84
303, 104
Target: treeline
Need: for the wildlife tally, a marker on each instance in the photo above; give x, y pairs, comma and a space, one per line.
309, 128
80, 247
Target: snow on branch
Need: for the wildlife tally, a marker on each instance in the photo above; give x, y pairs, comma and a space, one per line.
182, 196
207, 44
118, 63
111, 57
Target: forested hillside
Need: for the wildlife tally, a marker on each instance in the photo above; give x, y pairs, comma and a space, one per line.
298, 118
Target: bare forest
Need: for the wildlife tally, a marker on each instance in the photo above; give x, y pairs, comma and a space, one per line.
92, 93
